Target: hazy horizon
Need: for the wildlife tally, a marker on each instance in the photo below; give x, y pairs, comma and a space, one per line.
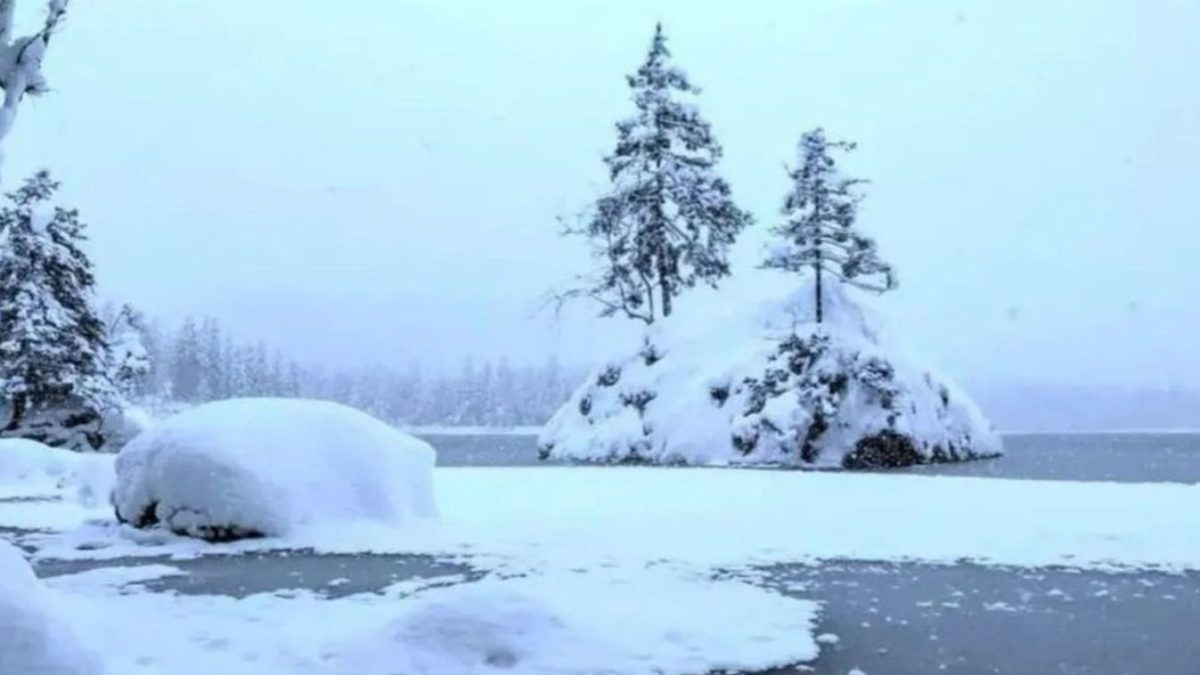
383, 185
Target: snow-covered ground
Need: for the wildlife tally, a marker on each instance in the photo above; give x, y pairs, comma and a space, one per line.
560, 517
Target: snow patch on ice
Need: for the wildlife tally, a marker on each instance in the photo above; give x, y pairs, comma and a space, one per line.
576, 623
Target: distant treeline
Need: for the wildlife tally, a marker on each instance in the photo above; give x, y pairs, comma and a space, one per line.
201, 362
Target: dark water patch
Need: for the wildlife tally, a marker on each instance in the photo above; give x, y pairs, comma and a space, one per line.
900, 619
238, 576
1124, 458
485, 449
1127, 458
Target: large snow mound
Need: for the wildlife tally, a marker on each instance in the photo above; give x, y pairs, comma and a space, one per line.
270, 467
34, 638
31, 469
763, 384
577, 623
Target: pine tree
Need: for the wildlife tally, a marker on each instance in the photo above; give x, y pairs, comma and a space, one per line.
130, 362
53, 351
669, 219
819, 232
186, 364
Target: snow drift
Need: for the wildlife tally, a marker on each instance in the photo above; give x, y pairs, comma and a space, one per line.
268, 467
34, 638
30, 469
763, 384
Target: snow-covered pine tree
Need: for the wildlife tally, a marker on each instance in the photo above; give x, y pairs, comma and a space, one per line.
53, 351
130, 364
669, 219
819, 232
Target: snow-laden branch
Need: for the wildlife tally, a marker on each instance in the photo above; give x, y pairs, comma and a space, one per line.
21, 59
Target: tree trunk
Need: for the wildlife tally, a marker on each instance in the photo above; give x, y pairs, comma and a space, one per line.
820, 296
19, 404
666, 301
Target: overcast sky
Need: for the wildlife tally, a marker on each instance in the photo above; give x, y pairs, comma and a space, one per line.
379, 180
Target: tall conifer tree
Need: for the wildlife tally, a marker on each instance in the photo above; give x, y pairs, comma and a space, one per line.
669, 219
818, 234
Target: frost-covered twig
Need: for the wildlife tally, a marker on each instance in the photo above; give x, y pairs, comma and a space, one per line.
21, 59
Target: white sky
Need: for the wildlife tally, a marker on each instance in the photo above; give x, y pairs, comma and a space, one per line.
379, 180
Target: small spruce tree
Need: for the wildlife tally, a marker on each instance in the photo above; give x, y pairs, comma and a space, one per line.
669, 219
819, 232
53, 351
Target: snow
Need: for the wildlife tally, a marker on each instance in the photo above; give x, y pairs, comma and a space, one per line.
253, 467
563, 517
686, 395
35, 639
31, 469
585, 623
568, 623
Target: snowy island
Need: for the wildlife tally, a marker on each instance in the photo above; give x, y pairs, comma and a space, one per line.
806, 380
761, 385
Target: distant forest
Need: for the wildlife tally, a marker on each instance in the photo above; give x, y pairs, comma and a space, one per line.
199, 361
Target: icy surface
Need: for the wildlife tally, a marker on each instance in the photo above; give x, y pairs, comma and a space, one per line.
715, 384
270, 467
34, 637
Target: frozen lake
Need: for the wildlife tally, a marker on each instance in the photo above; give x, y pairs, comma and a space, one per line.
1126, 458
894, 618
897, 617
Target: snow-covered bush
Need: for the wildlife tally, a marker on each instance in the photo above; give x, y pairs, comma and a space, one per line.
34, 637
763, 384
268, 467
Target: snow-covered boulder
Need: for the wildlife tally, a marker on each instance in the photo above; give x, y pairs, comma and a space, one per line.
763, 384
34, 637
269, 467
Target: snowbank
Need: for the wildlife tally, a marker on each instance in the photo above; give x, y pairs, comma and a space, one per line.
268, 467
34, 639
762, 384
30, 469
651, 621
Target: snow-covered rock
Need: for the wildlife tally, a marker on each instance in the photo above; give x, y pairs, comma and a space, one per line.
34, 637
269, 467
763, 384
650, 621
